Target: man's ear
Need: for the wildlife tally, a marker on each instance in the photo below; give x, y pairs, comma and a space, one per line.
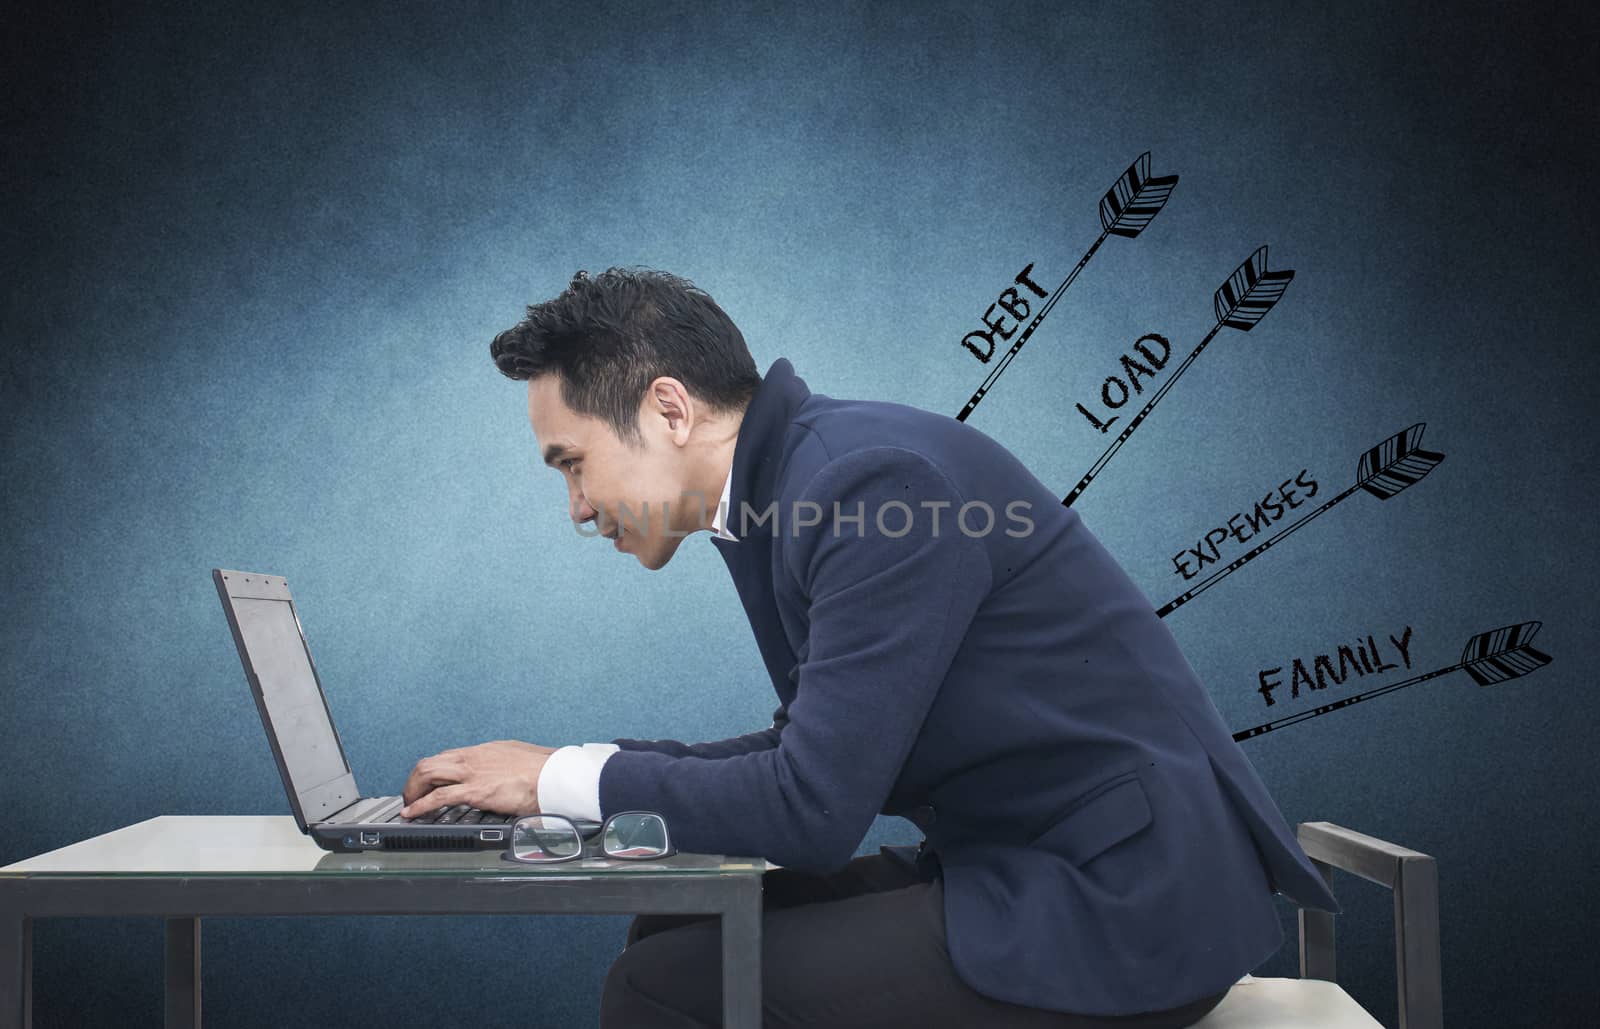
669, 401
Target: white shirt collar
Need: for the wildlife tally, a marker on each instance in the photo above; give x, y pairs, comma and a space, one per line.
718, 520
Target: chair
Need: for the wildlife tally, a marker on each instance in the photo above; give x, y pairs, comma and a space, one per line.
1315, 999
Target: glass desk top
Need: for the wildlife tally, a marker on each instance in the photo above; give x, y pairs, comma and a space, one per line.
265, 845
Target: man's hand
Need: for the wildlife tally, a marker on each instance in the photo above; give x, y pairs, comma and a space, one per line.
502, 777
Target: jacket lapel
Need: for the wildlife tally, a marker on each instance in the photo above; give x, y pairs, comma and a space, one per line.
750, 564
757, 458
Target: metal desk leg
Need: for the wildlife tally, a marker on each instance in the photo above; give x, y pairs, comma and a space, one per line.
183, 973
16, 971
1317, 960
741, 957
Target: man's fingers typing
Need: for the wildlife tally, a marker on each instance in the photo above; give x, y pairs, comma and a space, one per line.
429, 773
444, 796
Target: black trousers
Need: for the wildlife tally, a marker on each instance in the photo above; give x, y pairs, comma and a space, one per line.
861, 947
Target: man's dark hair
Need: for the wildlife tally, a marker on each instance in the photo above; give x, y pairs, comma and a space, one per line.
609, 336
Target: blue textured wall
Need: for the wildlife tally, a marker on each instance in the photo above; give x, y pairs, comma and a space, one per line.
253, 263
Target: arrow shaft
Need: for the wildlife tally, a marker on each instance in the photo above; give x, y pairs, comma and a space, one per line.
1212, 579
1116, 444
1044, 309
1266, 727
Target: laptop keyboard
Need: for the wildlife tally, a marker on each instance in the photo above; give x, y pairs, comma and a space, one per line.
460, 814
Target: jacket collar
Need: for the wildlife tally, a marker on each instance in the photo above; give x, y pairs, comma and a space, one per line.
758, 454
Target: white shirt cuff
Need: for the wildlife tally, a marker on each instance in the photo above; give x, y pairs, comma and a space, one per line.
570, 782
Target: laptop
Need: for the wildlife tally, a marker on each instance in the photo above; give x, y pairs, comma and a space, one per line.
328, 805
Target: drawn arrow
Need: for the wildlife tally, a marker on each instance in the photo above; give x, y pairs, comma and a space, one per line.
1248, 294
1383, 471
1489, 657
1125, 210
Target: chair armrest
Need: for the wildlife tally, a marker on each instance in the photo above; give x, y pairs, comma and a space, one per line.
1413, 878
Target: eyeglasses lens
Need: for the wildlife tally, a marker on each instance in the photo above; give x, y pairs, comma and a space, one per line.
635, 836
544, 839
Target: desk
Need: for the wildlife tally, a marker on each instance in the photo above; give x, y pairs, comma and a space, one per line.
184, 867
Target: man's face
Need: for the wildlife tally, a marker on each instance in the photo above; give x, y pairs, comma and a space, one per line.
615, 487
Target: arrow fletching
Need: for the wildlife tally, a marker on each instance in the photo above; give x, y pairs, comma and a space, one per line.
1501, 654
1134, 199
1250, 292
1396, 463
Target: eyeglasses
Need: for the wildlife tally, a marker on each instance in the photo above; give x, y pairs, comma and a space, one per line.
631, 835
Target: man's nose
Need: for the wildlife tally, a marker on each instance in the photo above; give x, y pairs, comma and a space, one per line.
581, 510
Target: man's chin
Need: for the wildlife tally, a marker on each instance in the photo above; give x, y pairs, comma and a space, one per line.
656, 553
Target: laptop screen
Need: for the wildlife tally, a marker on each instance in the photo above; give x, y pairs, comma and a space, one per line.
289, 689
288, 696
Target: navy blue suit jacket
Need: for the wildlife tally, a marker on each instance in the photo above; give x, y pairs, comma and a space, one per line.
1105, 846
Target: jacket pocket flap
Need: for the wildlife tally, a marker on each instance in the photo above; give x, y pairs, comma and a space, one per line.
1108, 817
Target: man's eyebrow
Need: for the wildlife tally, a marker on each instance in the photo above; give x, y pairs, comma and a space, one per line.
554, 451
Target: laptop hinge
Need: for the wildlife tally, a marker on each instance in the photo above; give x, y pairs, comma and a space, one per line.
336, 816
354, 815
350, 805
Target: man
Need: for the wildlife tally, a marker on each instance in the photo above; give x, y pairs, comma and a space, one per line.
947, 643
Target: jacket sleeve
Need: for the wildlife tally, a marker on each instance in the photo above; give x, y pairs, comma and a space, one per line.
889, 603
763, 740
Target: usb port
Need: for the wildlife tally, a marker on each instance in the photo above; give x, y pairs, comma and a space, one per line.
369, 839
491, 835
